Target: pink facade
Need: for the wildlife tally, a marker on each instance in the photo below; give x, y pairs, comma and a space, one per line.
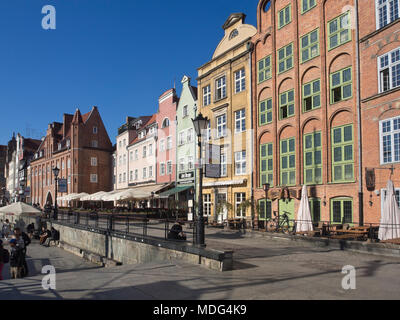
166, 143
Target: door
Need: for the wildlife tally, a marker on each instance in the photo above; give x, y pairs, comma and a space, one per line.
222, 216
287, 206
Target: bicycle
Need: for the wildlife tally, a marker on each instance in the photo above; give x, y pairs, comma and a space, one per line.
279, 224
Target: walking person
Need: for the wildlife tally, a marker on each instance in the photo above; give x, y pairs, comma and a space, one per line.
6, 229
1, 229
23, 241
4, 258
16, 260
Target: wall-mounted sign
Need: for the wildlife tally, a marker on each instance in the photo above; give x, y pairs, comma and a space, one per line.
213, 161
186, 175
62, 185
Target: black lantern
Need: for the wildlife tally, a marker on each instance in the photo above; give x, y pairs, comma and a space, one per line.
56, 172
200, 123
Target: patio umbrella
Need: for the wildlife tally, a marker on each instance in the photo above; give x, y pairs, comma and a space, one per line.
390, 218
304, 221
19, 208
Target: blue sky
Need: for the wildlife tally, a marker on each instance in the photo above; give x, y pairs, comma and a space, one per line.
119, 55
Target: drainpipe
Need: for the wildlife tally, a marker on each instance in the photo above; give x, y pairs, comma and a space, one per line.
358, 102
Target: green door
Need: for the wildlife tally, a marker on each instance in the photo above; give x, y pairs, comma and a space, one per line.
287, 206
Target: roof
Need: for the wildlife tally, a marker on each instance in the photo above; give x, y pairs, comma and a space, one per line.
151, 121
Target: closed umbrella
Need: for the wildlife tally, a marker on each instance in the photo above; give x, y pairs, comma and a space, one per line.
304, 222
390, 217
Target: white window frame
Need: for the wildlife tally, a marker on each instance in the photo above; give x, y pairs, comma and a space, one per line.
392, 133
390, 66
162, 168
136, 174
150, 149
162, 145
151, 172
185, 111
220, 86
144, 151
207, 204
190, 135
93, 162
95, 130
145, 173
240, 80
131, 175
136, 154
190, 161
169, 143
93, 178
95, 144
238, 201
240, 160
378, 6
182, 138
241, 120
224, 164
223, 125
182, 164
169, 167
207, 95
383, 196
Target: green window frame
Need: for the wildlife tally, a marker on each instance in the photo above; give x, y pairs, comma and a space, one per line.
266, 164
288, 162
309, 46
307, 5
312, 95
315, 209
286, 104
343, 154
265, 112
285, 16
313, 158
342, 210
264, 69
341, 85
265, 210
339, 31
285, 58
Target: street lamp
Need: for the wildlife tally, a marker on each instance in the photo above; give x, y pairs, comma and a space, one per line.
56, 171
200, 124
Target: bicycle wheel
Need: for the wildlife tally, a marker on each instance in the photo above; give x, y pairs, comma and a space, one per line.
271, 226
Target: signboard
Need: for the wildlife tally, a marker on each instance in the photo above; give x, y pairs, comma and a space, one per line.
186, 175
213, 161
62, 185
27, 191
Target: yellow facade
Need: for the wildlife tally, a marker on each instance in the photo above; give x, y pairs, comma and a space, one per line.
232, 61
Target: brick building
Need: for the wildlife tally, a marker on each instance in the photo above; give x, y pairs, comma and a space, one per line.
3, 157
305, 108
80, 147
379, 28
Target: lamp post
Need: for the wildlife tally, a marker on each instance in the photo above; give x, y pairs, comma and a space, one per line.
266, 187
56, 171
200, 124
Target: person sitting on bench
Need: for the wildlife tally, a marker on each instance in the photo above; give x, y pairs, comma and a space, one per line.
176, 232
55, 236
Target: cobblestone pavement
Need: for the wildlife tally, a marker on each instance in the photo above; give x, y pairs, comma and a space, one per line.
264, 269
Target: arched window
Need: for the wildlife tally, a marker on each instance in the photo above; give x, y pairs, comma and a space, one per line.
165, 123
233, 34
267, 6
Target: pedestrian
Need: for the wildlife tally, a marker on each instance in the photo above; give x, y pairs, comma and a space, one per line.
23, 241
44, 235
6, 229
16, 260
4, 258
1, 229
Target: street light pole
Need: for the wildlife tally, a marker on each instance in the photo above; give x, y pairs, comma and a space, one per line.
200, 124
56, 171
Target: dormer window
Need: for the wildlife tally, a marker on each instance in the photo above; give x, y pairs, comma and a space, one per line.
68, 143
141, 135
59, 146
234, 34
95, 130
165, 123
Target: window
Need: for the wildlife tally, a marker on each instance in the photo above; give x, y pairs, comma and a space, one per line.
144, 151
224, 168
68, 143
239, 199
288, 162
312, 158
266, 164
165, 123
124, 142
310, 46
63, 165
169, 143
240, 163
150, 171
264, 69
144, 173
339, 31
150, 150
190, 135
169, 167
69, 163
312, 95
342, 154
341, 85
124, 175
233, 34
315, 209
240, 121
265, 210
93, 178
308, 5
389, 70
95, 130
208, 134
284, 16
221, 126
342, 210
59, 146
120, 178
221, 88
136, 174
130, 175
207, 205
162, 168
390, 140
185, 111
240, 81
190, 163
136, 154
182, 164
141, 135
95, 144
286, 104
383, 197
162, 145
387, 12
124, 159
181, 138
265, 112
285, 58
93, 162
207, 95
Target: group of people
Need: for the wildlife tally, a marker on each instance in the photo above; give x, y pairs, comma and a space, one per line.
16, 257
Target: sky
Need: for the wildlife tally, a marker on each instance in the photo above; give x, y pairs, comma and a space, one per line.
119, 55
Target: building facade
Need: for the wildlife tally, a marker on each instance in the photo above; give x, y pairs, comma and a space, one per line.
80, 147
379, 29
3, 180
305, 108
224, 85
186, 143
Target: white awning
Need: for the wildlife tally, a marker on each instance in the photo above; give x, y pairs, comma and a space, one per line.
225, 183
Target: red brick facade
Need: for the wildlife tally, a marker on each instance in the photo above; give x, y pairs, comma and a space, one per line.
80, 147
